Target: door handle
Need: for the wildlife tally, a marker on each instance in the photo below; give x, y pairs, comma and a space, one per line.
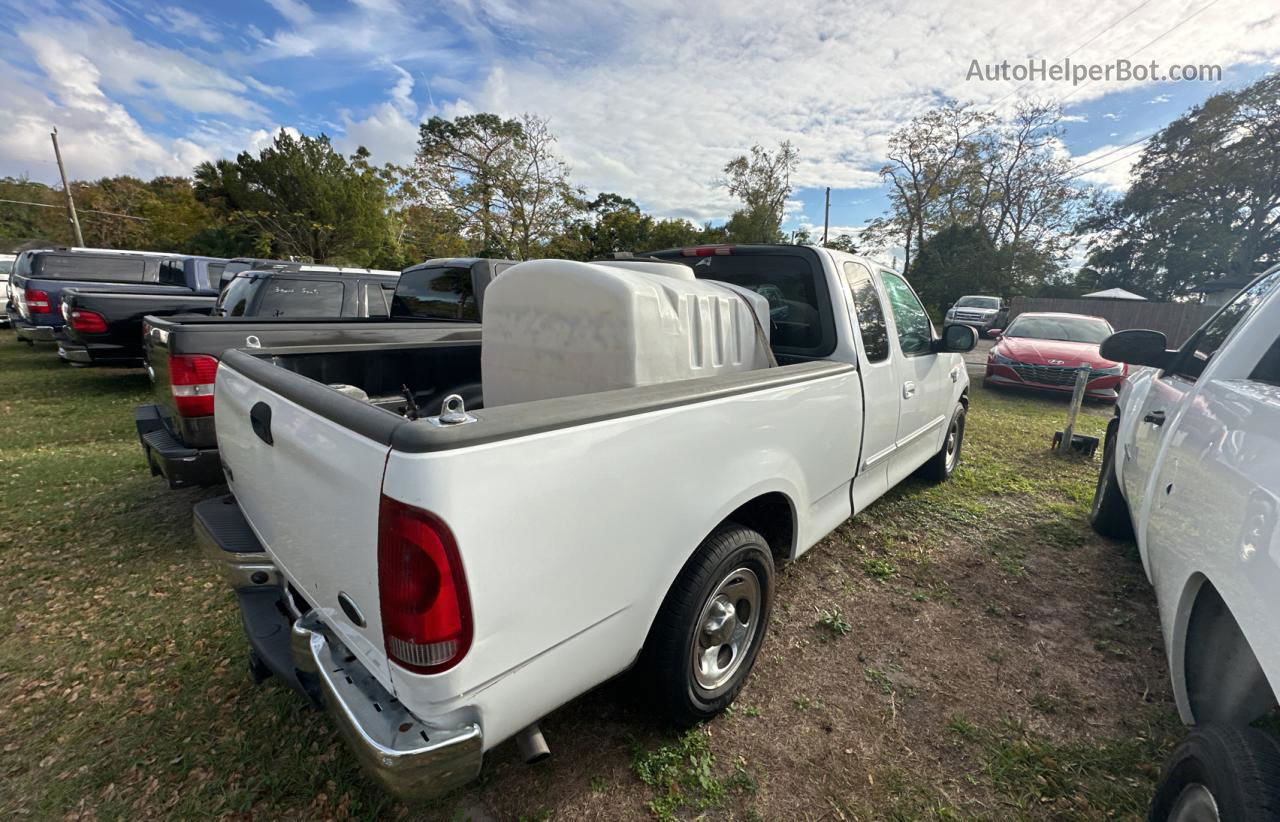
908, 390
1155, 418
260, 421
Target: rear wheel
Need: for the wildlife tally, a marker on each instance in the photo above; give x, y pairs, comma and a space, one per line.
708, 632
943, 464
1220, 772
1109, 514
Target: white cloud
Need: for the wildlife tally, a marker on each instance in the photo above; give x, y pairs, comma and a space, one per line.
295, 11
177, 20
653, 98
1108, 166
1158, 99
1110, 115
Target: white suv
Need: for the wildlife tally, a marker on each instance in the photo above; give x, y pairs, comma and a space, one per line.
1191, 468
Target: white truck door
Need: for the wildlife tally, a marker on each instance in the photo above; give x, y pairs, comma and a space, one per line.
923, 380
881, 395
1141, 469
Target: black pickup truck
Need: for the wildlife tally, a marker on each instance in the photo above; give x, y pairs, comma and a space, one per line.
40, 276
104, 326
439, 300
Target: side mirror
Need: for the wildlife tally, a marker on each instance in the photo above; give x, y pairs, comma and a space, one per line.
957, 338
1137, 346
994, 333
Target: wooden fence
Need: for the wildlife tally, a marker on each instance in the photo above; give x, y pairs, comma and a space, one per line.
1176, 320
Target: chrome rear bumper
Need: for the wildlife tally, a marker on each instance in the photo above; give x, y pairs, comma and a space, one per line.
411, 758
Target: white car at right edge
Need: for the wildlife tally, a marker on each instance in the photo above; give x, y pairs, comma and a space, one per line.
1191, 469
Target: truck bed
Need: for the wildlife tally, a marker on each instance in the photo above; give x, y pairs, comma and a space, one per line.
565, 568
123, 310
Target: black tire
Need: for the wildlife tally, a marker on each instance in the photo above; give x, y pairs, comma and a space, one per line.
1238, 767
1109, 514
669, 653
943, 464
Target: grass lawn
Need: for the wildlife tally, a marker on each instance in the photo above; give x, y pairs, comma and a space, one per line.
969, 650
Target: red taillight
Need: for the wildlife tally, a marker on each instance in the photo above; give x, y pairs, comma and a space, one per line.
192, 376
37, 301
426, 611
706, 250
87, 322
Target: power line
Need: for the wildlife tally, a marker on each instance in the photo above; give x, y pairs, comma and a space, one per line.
1151, 43
86, 210
1077, 49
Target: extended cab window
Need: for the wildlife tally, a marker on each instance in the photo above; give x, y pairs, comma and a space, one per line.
915, 331
113, 268
1198, 350
301, 298
866, 301
172, 273
376, 297
438, 294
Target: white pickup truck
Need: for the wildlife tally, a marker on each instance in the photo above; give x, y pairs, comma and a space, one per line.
1191, 467
440, 584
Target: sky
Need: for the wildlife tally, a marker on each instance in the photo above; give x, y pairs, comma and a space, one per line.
648, 99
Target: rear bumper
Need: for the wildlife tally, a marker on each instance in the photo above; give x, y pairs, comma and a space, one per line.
32, 333
409, 757
181, 465
97, 353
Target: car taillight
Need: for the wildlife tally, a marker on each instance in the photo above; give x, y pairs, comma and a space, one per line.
87, 322
192, 376
706, 250
37, 301
426, 610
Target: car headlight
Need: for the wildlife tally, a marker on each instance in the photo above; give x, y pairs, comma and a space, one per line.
1000, 359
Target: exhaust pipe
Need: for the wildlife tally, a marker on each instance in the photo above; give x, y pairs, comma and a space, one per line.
532, 745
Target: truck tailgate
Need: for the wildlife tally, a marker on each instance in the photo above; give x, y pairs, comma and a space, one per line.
310, 490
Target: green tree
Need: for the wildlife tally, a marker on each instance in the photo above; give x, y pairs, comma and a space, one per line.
957, 260
1204, 201
762, 181
501, 177
300, 198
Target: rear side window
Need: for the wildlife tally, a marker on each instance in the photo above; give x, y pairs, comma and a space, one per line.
172, 272
1268, 368
301, 298
107, 268
436, 293
376, 300
915, 331
234, 299
866, 301
1198, 350
213, 275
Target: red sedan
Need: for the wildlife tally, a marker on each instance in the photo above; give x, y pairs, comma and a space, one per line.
1043, 351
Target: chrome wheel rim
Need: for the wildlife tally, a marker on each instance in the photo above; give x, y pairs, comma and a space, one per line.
1195, 804
954, 435
726, 628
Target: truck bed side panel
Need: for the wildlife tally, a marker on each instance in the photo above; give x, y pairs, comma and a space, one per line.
571, 538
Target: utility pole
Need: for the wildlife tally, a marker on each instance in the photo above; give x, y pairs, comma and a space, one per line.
826, 216
71, 204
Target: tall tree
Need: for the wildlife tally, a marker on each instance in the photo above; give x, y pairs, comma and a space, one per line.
762, 181
501, 177
300, 198
1204, 201
954, 166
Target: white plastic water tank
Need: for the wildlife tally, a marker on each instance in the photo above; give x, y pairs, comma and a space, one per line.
558, 328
